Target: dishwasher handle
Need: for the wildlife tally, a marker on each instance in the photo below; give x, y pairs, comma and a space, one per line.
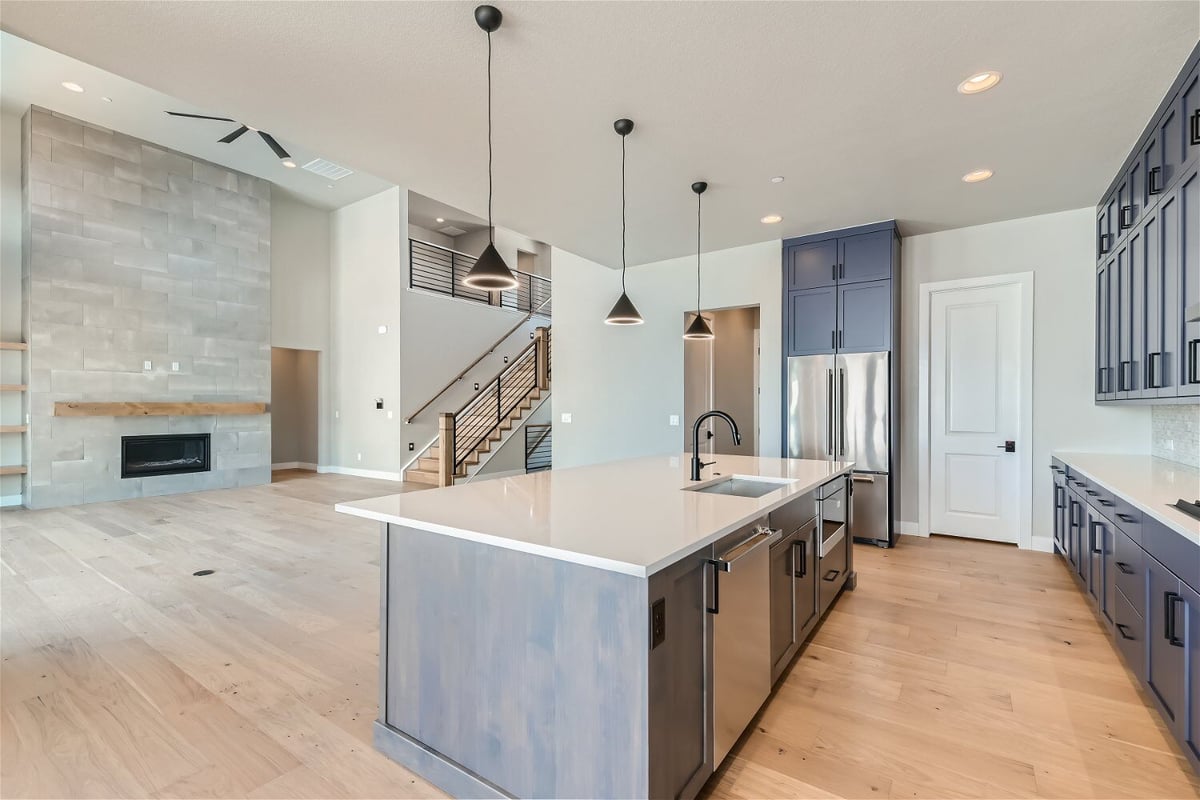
761, 536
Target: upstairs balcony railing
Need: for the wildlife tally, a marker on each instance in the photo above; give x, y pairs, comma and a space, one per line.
439, 269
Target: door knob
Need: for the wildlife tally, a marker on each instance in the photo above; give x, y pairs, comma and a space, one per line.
1009, 446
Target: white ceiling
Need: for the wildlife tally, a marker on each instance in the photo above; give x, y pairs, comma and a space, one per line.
854, 102
425, 212
33, 75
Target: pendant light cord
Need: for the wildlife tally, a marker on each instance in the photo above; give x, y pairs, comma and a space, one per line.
491, 227
622, 215
697, 254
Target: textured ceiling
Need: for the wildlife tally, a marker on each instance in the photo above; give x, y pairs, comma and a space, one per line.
854, 102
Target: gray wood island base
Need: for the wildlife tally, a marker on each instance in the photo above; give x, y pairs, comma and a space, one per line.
549, 666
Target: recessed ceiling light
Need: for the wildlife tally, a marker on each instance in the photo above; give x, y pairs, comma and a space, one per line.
977, 175
777, 179
71, 86
287, 162
979, 82
771, 219
439, 219
106, 99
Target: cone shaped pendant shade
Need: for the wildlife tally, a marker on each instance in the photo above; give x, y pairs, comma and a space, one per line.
490, 273
623, 313
698, 329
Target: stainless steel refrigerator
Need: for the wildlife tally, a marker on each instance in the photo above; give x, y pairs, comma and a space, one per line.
842, 408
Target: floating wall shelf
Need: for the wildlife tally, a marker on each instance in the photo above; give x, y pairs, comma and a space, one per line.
13, 346
157, 409
14, 470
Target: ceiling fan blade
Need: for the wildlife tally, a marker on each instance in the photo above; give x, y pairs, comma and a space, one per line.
199, 116
234, 135
274, 145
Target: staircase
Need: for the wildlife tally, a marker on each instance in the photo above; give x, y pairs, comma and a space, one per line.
488, 419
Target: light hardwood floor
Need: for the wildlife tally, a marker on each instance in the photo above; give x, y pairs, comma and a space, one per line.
957, 669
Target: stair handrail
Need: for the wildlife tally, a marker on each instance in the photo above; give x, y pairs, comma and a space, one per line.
525, 369
475, 363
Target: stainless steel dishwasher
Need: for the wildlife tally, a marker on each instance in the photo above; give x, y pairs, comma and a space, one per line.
741, 609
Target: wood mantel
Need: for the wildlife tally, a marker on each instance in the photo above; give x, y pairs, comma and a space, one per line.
78, 409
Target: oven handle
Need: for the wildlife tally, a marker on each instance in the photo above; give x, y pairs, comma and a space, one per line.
832, 542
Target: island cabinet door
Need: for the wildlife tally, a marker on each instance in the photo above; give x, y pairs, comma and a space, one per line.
680, 678
785, 564
804, 549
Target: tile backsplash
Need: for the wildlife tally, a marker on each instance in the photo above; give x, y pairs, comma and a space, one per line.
1175, 433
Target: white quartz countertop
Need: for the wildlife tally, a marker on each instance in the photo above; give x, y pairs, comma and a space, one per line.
625, 516
1151, 484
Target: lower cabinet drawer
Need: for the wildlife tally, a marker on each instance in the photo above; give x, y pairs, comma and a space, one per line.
1131, 578
832, 573
1131, 636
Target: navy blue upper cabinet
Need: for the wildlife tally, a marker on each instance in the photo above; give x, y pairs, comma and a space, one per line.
864, 317
839, 293
813, 321
1148, 258
812, 264
866, 257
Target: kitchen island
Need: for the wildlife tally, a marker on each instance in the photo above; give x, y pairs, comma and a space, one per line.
603, 631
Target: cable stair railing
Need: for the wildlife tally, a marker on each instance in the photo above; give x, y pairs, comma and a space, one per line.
465, 436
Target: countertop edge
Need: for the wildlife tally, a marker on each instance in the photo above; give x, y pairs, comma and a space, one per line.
583, 559
1149, 509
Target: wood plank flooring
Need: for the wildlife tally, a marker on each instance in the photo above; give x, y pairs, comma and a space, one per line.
957, 669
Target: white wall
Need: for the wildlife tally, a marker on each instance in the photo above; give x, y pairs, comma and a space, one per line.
620, 384
11, 450
300, 300
1058, 249
368, 265
433, 237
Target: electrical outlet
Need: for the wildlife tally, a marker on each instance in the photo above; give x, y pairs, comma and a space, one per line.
1169, 444
360, 456
337, 414
174, 366
674, 420
147, 365
382, 328
658, 622
566, 417
389, 414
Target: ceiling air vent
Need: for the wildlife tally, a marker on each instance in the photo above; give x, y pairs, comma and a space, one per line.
450, 230
327, 169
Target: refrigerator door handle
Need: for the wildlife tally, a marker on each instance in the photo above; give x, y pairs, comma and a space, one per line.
842, 409
829, 410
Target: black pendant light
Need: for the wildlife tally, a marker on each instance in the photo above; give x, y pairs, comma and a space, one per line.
699, 328
623, 311
490, 273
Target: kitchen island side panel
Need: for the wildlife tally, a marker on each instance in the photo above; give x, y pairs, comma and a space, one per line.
527, 671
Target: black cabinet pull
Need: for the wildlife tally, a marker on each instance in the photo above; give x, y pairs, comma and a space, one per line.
1106, 503
1122, 628
1126, 518
832, 575
841, 338
1125, 568
1106, 241
716, 592
1170, 599
803, 545
1154, 370
1091, 492
1058, 495
1125, 217
1192, 346
1195, 137
833, 269
1152, 181
1094, 538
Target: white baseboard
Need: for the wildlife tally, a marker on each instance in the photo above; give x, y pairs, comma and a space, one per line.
379, 475
1043, 544
907, 528
8, 500
294, 465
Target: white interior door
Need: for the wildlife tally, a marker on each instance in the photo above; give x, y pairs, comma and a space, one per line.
974, 408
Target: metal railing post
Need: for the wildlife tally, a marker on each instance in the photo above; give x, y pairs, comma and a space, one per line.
446, 446
542, 337
453, 274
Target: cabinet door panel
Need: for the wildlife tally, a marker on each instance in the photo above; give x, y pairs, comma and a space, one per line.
812, 319
1189, 281
1125, 208
1121, 309
865, 317
1135, 370
1165, 658
1131, 636
1190, 621
1171, 135
784, 565
1189, 103
866, 257
813, 264
1172, 362
1152, 175
805, 551
1103, 330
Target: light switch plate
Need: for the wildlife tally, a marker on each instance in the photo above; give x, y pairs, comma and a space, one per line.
382, 328
566, 417
389, 414
675, 419
147, 365
174, 366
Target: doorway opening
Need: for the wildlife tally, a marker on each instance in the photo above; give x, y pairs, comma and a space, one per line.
723, 373
294, 410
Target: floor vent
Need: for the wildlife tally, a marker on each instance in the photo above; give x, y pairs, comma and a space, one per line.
327, 169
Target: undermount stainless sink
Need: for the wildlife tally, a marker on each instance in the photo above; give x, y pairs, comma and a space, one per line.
741, 486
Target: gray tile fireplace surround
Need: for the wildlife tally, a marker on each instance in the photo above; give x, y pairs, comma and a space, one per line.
136, 253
